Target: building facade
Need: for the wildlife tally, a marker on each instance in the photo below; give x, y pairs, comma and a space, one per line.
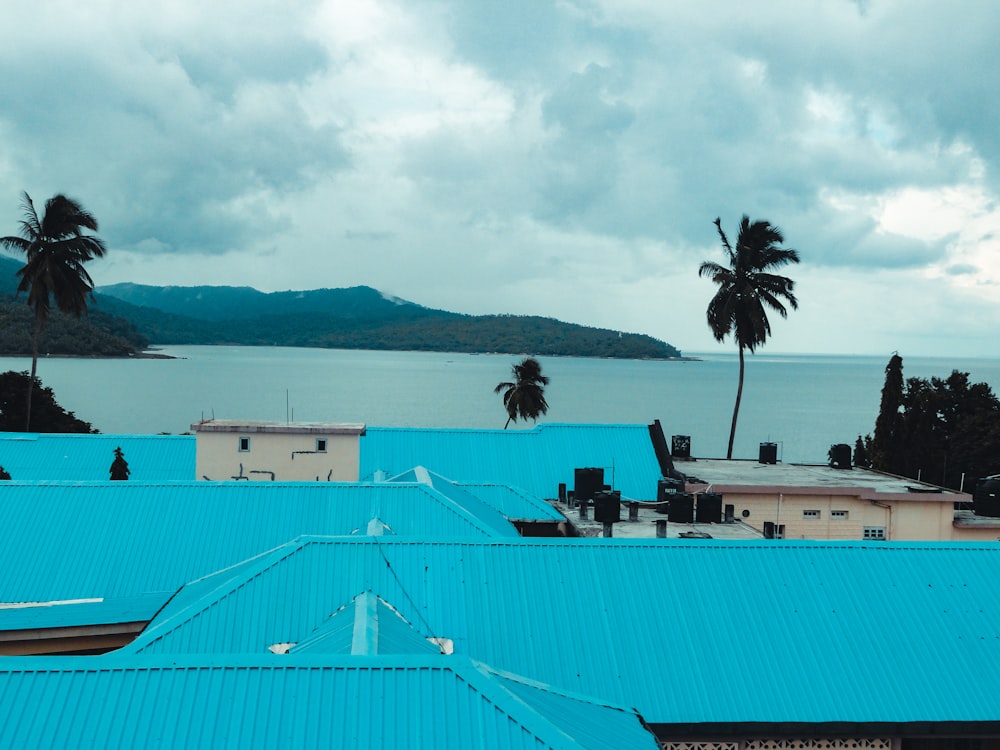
231, 450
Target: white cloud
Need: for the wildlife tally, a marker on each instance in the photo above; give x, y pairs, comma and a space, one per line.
558, 157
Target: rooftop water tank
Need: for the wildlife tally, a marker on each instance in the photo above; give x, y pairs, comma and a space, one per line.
680, 446
840, 456
709, 508
608, 506
986, 497
768, 453
587, 483
681, 508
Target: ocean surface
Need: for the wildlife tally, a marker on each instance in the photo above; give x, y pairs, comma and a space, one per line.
803, 403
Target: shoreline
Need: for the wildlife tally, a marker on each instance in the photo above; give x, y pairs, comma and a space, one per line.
155, 353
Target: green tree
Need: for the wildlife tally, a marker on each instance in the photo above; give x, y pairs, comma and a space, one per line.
889, 421
746, 286
48, 415
860, 453
524, 396
944, 430
119, 467
55, 250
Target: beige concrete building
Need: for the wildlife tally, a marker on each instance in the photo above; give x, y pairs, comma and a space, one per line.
273, 451
795, 501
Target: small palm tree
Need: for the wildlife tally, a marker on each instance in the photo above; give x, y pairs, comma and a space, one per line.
55, 249
524, 397
746, 287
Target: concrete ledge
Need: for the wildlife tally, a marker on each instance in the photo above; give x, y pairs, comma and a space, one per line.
282, 428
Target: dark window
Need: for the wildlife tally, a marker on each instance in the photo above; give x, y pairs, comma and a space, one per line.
244, 444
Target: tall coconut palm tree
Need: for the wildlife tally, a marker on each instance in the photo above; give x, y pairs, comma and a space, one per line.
746, 288
55, 249
524, 397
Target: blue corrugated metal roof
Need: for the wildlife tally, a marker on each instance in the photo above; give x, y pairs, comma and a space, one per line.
50, 614
116, 540
365, 627
536, 460
287, 701
45, 456
688, 632
459, 495
513, 502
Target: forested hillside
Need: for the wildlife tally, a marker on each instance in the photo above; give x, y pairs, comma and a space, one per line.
354, 318
95, 334
125, 318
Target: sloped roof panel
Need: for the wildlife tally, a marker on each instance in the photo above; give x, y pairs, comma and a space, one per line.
381, 628
687, 632
40, 615
576, 715
54, 456
115, 540
462, 498
282, 701
536, 460
513, 502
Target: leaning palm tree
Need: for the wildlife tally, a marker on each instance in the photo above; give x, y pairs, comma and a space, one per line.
55, 249
746, 287
524, 396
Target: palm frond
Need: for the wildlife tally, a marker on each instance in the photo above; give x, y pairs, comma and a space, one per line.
524, 396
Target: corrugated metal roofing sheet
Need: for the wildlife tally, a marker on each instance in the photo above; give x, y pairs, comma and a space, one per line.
513, 502
51, 456
116, 540
366, 627
284, 701
487, 513
536, 460
97, 612
509, 502
688, 632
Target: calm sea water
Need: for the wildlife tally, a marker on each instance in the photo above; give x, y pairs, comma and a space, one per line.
802, 403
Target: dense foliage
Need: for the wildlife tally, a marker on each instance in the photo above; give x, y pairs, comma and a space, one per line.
95, 334
356, 318
46, 414
944, 431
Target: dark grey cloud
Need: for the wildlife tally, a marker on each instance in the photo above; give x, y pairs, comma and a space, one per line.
493, 150
586, 121
181, 152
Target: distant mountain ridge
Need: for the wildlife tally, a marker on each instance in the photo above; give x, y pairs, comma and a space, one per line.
353, 318
238, 302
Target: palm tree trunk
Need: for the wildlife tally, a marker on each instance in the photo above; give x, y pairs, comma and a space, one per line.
34, 368
508, 422
736, 408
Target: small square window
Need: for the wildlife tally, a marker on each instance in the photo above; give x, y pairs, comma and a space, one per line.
321, 445
810, 514
244, 444
838, 515
874, 532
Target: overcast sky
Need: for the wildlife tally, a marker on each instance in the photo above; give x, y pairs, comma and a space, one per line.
563, 158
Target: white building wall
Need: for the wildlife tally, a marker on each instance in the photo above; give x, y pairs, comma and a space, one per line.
264, 451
